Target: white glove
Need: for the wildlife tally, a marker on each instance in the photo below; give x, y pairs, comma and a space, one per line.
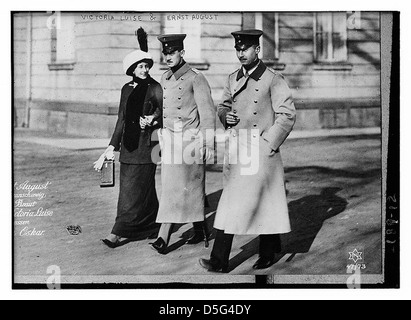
143, 123
108, 154
149, 120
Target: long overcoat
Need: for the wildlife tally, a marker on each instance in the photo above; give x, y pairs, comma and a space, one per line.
189, 116
253, 200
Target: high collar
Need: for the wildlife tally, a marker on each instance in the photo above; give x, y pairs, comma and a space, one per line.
142, 81
252, 65
182, 70
176, 68
256, 74
134, 83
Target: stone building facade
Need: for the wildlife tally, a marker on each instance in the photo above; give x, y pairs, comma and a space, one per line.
67, 66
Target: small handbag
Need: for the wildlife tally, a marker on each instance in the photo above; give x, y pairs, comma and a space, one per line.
107, 178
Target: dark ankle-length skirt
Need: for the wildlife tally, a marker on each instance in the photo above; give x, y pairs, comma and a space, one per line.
138, 203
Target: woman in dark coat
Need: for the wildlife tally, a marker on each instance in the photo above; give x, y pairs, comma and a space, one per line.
139, 117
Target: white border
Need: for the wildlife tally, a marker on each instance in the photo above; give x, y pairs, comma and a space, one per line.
159, 294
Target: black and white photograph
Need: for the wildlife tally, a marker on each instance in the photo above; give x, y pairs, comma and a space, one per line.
208, 149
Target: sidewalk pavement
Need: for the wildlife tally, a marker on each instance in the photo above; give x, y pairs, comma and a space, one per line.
85, 143
334, 198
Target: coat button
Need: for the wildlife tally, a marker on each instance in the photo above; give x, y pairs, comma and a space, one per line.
257, 89
179, 108
179, 98
164, 98
254, 136
165, 88
255, 112
234, 100
255, 126
179, 118
164, 117
182, 79
234, 135
180, 88
255, 101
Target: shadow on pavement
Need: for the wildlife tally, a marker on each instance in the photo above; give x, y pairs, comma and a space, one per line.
247, 251
307, 216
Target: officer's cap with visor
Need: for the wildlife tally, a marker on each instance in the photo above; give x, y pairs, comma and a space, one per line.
244, 39
172, 42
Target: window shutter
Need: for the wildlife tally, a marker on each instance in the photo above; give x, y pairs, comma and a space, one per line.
340, 37
330, 37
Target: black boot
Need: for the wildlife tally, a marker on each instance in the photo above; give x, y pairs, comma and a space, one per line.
219, 257
159, 245
200, 234
269, 252
211, 266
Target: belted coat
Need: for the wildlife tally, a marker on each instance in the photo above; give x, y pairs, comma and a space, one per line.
253, 200
189, 116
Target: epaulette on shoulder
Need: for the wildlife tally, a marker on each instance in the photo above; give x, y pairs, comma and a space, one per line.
196, 71
276, 73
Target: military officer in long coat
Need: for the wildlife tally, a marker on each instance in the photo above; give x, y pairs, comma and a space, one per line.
187, 141
259, 113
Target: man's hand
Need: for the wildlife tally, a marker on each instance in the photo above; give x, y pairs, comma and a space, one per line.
232, 119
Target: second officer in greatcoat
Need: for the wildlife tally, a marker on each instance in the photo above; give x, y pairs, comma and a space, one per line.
259, 113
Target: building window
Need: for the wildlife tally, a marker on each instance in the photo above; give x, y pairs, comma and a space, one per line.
63, 54
330, 37
175, 23
268, 22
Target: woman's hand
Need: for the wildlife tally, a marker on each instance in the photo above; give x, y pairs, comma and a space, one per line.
143, 123
107, 154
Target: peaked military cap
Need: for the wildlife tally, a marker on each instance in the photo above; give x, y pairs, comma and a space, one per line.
172, 42
246, 38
